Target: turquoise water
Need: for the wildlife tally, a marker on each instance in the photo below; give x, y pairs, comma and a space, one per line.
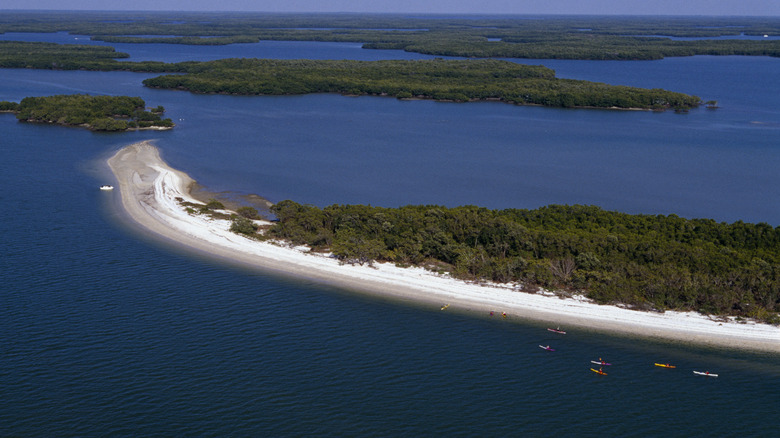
106, 331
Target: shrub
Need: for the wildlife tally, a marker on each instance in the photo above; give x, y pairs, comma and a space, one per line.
213, 204
242, 225
248, 212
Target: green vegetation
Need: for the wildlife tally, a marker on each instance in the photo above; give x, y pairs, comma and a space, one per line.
646, 262
643, 261
51, 56
530, 39
248, 212
9, 107
242, 225
588, 46
98, 113
614, 38
213, 204
452, 80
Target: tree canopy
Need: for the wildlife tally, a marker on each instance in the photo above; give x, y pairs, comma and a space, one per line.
438, 79
650, 262
587, 37
98, 113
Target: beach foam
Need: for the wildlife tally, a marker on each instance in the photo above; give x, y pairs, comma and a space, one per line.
149, 188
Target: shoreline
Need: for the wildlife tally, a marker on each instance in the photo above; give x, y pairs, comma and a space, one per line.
149, 187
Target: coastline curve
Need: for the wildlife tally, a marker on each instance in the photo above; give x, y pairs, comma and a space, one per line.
151, 191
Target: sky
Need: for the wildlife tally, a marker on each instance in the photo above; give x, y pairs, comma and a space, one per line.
591, 7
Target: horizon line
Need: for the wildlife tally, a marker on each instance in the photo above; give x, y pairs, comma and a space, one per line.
506, 14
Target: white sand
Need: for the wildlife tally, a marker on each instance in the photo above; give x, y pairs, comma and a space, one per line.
148, 187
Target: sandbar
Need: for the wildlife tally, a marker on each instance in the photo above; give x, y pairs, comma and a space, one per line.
149, 189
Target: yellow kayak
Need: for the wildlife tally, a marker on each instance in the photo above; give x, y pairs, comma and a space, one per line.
598, 372
665, 365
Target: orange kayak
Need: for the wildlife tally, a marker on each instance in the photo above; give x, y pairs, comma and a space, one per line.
598, 372
665, 365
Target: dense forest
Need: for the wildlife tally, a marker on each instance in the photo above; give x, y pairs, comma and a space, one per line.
51, 56
97, 113
598, 38
452, 80
647, 262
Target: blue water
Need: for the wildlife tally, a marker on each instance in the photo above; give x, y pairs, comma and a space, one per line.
262, 49
106, 331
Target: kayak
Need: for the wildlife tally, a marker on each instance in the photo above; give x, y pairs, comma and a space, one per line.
546, 348
598, 372
705, 373
665, 365
600, 363
556, 331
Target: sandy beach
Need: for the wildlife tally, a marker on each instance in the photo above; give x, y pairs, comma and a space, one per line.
149, 188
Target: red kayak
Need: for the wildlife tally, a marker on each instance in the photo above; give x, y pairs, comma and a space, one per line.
558, 330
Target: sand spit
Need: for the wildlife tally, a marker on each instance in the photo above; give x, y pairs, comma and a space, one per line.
149, 189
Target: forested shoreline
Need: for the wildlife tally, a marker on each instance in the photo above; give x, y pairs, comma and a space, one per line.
443, 80
562, 37
437, 79
646, 262
96, 113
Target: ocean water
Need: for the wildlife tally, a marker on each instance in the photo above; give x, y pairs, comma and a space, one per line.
107, 331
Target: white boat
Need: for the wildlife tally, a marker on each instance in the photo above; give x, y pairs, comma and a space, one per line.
705, 373
106, 187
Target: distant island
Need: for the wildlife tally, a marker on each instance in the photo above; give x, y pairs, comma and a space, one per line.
653, 263
96, 113
438, 79
573, 37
